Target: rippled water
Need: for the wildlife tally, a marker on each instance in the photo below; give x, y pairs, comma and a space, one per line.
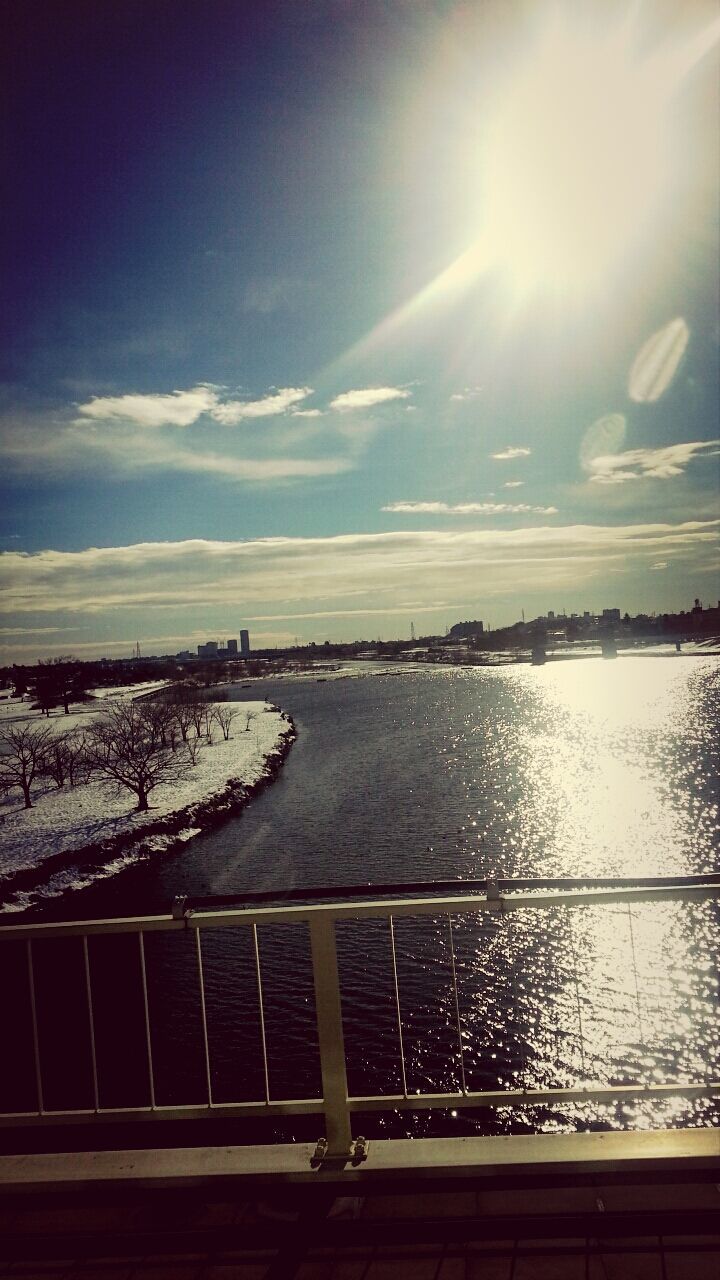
576, 768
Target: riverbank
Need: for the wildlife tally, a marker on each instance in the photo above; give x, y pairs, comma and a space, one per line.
72, 837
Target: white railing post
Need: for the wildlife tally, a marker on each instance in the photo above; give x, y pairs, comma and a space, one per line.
328, 1008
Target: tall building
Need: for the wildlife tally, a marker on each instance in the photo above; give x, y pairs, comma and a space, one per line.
245, 644
208, 650
232, 647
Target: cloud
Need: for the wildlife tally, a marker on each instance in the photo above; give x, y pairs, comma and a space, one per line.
33, 631
469, 393
275, 573
178, 409
367, 397
512, 451
307, 413
513, 484
120, 449
468, 509
233, 411
657, 362
640, 464
183, 408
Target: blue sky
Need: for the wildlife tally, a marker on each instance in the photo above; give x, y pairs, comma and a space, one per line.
324, 318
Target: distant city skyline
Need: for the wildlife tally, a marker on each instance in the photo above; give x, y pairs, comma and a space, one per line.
345, 317
227, 648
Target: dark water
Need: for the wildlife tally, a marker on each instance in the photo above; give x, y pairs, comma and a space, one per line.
582, 768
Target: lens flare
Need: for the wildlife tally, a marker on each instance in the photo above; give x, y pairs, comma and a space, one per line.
657, 362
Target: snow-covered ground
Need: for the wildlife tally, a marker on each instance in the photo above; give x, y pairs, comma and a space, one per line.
72, 819
12, 708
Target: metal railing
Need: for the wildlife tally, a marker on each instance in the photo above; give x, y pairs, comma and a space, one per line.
336, 1103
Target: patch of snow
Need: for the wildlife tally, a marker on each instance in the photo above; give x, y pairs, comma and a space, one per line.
68, 819
128, 690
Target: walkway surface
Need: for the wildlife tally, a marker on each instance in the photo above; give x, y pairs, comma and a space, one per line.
416, 1236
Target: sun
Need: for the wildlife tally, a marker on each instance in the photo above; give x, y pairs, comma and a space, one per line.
576, 160
568, 168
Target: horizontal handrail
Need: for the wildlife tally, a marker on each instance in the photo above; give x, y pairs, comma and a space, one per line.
658, 889
370, 889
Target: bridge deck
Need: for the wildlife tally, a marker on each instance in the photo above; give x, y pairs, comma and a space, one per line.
609, 1206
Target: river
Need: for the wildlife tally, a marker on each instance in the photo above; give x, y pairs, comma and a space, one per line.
585, 767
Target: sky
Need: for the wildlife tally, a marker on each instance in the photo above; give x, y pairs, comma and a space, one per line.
329, 318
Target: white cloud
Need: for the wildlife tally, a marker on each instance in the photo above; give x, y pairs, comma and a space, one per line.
469, 393
367, 397
469, 508
512, 451
178, 409
121, 449
233, 411
33, 631
183, 408
513, 484
639, 464
165, 455
323, 573
307, 413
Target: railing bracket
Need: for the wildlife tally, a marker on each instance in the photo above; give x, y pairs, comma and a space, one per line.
178, 906
322, 1154
360, 1150
492, 893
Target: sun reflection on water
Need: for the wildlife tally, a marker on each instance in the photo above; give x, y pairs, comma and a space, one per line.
612, 771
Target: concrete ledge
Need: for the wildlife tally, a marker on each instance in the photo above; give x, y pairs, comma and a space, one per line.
676, 1153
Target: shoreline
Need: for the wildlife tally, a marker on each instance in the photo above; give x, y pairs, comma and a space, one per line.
71, 870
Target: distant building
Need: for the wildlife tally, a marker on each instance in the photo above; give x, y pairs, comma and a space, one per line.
232, 648
245, 644
611, 615
208, 650
466, 630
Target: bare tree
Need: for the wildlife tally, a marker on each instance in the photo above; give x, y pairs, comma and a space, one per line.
249, 717
183, 716
60, 679
199, 711
57, 760
79, 762
185, 707
161, 717
66, 758
224, 716
194, 746
208, 720
126, 750
22, 756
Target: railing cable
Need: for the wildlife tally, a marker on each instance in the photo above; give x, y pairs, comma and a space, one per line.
36, 1038
514, 952
262, 1013
147, 1020
635, 974
203, 1014
397, 1007
577, 997
457, 1006
93, 1055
